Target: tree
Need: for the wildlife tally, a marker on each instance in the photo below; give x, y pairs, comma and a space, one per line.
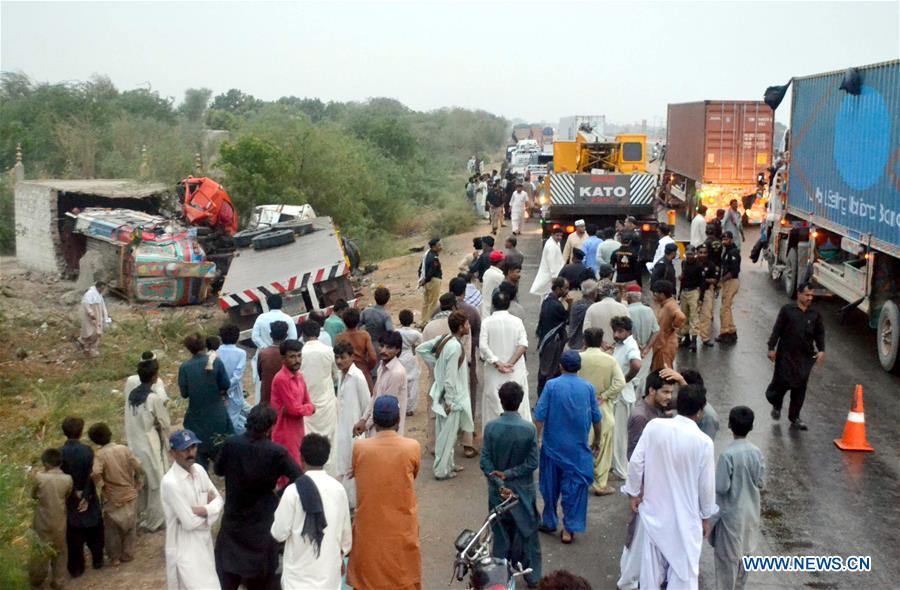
235, 101
146, 103
196, 100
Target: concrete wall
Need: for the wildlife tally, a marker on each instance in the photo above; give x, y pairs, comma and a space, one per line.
37, 231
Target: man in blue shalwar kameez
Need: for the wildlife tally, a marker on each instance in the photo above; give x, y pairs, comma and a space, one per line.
565, 413
509, 457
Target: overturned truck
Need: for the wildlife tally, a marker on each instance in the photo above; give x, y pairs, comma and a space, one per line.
152, 244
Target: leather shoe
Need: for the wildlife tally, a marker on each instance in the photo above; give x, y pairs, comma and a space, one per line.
547, 530
776, 414
799, 424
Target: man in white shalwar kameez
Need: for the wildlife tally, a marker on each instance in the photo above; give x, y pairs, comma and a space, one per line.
147, 424
517, 204
491, 280
262, 334
353, 399
502, 343
306, 566
319, 370
94, 319
551, 263
671, 481
192, 505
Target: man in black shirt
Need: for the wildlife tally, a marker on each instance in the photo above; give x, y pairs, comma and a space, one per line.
714, 246
625, 259
252, 465
84, 523
664, 269
495, 206
731, 269
551, 330
689, 296
709, 275
797, 343
576, 272
480, 265
430, 275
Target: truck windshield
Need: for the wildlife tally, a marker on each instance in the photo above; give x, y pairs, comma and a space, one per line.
632, 151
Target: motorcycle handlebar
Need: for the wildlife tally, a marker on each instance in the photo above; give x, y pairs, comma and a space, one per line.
504, 506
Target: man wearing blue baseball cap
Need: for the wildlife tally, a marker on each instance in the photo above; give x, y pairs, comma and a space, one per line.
385, 467
565, 414
192, 504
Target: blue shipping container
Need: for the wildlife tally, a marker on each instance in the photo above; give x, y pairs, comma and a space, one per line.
845, 155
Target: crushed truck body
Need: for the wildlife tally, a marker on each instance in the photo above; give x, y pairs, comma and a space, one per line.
147, 257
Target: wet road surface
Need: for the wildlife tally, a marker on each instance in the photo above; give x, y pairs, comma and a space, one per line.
818, 499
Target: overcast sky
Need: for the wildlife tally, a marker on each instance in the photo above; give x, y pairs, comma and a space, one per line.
536, 61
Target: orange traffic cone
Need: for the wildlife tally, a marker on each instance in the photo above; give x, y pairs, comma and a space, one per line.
854, 438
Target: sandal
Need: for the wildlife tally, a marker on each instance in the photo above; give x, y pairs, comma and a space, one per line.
470, 452
451, 476
562, 537
458, 468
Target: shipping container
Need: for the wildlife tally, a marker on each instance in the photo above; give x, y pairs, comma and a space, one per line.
844, 173
715, 151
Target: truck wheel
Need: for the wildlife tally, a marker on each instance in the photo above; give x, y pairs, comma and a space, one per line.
887, 339
273, 239
244, 238
789, 275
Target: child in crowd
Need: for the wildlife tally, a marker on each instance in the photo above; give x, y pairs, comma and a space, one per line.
51, 488
411, 339
119, 476
740, 473
212, 345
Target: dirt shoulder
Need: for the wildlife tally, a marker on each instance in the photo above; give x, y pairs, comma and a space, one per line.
44, 378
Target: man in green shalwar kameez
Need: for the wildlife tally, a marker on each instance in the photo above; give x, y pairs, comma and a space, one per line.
509, 458
450, 392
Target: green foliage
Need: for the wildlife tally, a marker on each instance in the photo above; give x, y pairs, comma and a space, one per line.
196, 100
377, 167
7, 224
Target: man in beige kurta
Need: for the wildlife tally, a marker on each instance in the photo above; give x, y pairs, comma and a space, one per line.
319, 371
94, 318
603, 372
118, 476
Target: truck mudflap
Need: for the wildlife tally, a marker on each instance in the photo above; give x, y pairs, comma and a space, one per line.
621, 190
292, 283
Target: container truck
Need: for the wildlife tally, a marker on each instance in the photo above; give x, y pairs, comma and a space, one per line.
716, 151
835, 209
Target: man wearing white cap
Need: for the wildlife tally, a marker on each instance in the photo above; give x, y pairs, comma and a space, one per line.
575, 240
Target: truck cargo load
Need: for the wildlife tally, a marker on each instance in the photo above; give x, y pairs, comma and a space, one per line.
715, 152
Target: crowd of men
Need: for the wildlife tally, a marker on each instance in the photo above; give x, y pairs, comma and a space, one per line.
319, 475
499, 197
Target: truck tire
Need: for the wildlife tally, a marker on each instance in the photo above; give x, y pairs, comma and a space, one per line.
273, 239
887, 338
789, 274
300, 228
244, 238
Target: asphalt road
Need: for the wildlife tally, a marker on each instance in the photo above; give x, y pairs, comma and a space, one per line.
818, 499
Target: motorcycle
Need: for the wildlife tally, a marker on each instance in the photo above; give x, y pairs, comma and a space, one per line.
474, 556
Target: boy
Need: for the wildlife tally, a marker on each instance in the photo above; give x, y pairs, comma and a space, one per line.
84, 525
740, 474
51, 488
118, 476
411, 339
